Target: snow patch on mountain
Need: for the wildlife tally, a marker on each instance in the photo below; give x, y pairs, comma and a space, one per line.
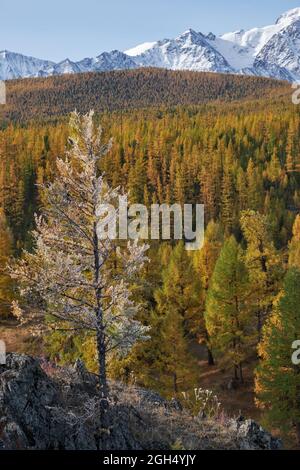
238, 57
138, 50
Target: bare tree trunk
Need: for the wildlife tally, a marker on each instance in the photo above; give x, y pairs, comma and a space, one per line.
175, 384
259, 325
101, 337
210, 357
241, 373
101, 349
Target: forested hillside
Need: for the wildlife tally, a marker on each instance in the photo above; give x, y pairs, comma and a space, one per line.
231, 143
109, 91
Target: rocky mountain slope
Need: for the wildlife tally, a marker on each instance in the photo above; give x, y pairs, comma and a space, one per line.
44, 407
271, 51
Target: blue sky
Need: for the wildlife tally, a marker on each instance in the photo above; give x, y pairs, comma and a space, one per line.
58, 29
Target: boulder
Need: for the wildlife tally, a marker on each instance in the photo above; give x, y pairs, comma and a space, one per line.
251, 436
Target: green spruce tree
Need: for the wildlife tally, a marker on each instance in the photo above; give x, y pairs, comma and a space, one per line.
277, 378
229, 316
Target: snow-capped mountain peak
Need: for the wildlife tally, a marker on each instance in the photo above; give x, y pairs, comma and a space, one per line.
256, 38
189, 51
114, 60
272, 51
188, 34
289, 16
13, 65
65, 67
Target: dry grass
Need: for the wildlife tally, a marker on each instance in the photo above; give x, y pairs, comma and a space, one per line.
177, 428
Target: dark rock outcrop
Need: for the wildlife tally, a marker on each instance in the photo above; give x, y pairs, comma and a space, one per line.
251, 436
36, 412
45, 407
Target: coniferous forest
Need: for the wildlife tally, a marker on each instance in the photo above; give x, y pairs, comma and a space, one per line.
224, 317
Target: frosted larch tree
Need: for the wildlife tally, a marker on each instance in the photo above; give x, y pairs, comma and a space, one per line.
74, 276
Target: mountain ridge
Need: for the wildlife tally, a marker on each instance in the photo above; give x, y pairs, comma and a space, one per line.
271, 51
